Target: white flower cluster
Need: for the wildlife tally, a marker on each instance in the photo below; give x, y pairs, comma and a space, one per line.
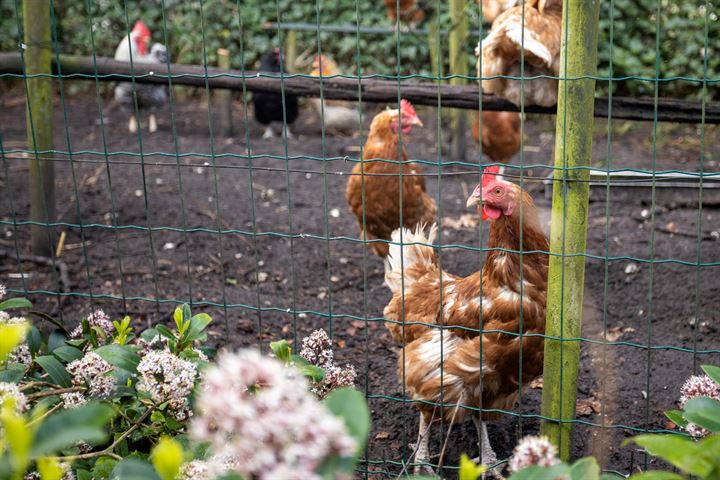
21, 353
167, 378
67, 473
73, 400
533, 450
698, 386
96, 319
96, 373
317, 349
3, 290
259, 414
11, 392
195, 470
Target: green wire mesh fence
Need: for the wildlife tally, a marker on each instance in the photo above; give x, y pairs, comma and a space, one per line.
257, 231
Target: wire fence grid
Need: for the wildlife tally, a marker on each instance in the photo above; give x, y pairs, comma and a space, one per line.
258, 232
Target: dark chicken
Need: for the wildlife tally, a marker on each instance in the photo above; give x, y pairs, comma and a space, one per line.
268, 107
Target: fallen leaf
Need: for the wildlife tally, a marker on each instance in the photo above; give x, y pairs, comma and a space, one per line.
382, 435
588, 406
669, 425
340, 343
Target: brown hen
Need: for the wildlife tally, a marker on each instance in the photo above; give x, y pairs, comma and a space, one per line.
501, 136
451, 365
538, 38
379, 180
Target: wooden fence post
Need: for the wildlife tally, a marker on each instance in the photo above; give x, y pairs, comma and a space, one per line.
224, 97
458, 43
568, 232
38, 57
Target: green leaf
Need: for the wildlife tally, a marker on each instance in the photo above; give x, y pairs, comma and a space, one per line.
316, 374
134, 469
299, 361
676, 416
350, 405
167, 456
56, 339
164, 331
12, 303
85, 475
679, 451
149, 334
704, 412
655, 475
49, 469
67, 427
103, 467
198, 323
50, 319
12, 373
67, 354
121, 357
470, 470
536, 472
281, 350
157, 416
585, 469
55, 370
187, 314
178, 318
713, 372
34, 340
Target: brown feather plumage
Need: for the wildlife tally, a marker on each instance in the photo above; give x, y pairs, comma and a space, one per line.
471, 375
382, 192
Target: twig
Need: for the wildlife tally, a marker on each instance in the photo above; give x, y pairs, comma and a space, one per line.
420, 438
50, 262
447, 437
54, 409
109, 450
50, 393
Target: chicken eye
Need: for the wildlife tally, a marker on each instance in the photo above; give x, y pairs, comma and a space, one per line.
498, 191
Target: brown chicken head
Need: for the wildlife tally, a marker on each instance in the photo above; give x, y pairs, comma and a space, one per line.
324, 65
407, 118
494, 197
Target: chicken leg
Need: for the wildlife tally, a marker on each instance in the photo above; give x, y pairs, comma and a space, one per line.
132, 124
487, 454
422, 455
152, 123
268, 133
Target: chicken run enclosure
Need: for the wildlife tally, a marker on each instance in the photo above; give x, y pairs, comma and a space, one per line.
257, 232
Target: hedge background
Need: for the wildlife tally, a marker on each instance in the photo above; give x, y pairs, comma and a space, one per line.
682, 35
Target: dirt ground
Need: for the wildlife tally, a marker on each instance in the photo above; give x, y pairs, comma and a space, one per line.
292, 262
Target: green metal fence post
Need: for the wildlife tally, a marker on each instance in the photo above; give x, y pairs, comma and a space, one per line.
458, 42
38, 58
568, 235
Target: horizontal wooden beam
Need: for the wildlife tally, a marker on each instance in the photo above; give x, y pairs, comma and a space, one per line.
373, 90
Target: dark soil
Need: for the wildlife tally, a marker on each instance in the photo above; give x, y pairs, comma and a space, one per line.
291, 230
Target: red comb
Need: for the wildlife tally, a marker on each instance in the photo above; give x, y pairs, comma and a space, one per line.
489, 174
141, 29
407, 108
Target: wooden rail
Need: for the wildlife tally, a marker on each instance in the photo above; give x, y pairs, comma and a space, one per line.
373, 90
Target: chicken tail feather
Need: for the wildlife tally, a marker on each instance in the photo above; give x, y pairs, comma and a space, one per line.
412, 259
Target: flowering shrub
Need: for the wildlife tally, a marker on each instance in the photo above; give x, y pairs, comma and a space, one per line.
103, 402
698, 456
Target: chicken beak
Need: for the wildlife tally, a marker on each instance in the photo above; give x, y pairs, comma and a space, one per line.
475, 198
415, 121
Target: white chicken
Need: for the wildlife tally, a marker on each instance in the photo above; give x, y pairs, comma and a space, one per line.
133, 47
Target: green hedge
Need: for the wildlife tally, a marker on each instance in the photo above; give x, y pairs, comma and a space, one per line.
682, 35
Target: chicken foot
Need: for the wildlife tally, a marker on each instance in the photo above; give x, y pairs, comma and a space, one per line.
487, 454
422, 455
